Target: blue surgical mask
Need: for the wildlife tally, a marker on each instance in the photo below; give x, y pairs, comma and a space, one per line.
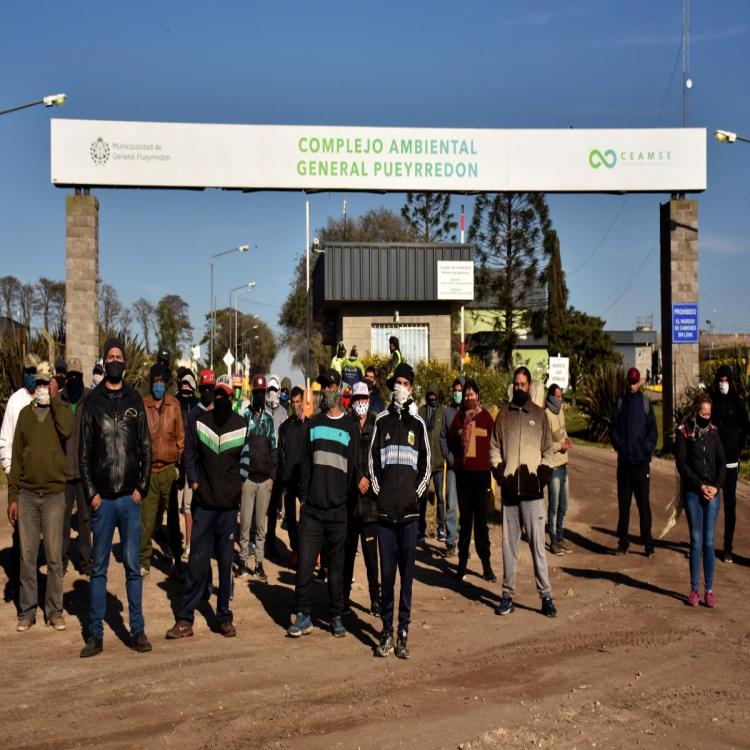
158, 390
29, 381
458, 397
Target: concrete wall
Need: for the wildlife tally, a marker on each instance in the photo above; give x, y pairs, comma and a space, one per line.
82, 279
636, 356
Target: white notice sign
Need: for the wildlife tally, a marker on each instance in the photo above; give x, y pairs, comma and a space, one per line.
559, 371
455, 279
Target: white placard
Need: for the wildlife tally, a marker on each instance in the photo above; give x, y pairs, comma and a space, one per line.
559, 372
455, 279
229, 360
314, 157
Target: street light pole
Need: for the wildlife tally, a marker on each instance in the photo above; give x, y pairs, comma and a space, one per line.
238, 249
307, 289
53, 100
248, 287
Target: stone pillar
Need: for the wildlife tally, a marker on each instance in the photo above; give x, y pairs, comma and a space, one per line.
82, 279
679, 283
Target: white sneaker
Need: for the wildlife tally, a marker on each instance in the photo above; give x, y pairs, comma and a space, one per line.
145, 572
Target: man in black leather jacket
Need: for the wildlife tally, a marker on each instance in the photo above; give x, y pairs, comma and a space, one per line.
115, 464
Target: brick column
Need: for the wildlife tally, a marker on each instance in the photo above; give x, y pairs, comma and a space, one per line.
679, 283
82, 279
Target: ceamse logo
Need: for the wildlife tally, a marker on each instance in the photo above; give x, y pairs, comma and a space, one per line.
598, 158
609, 158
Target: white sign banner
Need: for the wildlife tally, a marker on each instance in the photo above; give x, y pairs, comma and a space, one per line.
559, 372
314, 157
455, 279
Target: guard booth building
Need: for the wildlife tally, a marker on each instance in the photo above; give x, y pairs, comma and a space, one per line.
364, 293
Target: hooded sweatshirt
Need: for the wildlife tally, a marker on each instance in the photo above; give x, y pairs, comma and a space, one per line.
730, 416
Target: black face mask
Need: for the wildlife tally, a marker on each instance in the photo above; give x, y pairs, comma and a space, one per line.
61, 380
74, 388
259, 400
186, 394
207, 397
432, 402
703, 422
520, 398
114, 371
222, 410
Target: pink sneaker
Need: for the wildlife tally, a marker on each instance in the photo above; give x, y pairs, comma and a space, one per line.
709, 599
693, 599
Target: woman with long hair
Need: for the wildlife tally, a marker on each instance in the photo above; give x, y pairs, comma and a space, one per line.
702, 467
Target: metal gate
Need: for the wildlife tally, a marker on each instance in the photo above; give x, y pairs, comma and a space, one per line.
413, 338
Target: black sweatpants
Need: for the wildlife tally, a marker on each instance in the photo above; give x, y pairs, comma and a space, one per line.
290, 514
273, 519
314, 535
368, 533
729, 498
74, 496
633, 479
473, 488
397, 544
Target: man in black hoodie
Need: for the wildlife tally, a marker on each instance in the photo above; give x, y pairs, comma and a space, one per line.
399, 473
212, 465
730, 416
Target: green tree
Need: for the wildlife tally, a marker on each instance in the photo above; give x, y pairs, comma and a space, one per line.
254, 338
552, 321
375, 225
429, 216
173, 324
509, 230
145, 315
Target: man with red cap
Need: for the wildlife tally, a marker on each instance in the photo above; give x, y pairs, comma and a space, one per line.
212, 465
634, 434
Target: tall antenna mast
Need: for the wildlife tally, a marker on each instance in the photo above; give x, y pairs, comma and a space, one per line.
687, 82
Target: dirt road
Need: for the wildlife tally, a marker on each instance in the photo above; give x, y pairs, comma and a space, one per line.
626, 663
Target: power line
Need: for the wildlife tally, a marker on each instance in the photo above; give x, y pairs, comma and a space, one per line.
601, 242
633, 277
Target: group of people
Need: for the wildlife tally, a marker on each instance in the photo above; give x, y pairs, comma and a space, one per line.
352, 475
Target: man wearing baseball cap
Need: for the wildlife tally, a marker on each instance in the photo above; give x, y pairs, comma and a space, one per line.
114, 458
212, 464
328, 474
362, 521
399, 473
634, 435
258, 471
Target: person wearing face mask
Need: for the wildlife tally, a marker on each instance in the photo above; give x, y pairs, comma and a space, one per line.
433, 414
376, 400
338, 361
328, 473
212, 464
240, 404
400, 468
451, 493
258, 471
36, 495
73, 394
469, 439
167, 431
730, 417
292, 438
557, 487
114, 458
285, 395
279, 414
362, 520
61, 372
634, 434
701, 463
17, 401
396, 357
188, 401
521, 455
97, 374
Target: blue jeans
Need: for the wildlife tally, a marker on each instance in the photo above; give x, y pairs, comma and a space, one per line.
701, 516
397, 544
557, 491
451, 507
124, 514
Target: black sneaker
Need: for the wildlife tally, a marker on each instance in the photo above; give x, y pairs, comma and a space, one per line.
727, 557
548, 607
622, 549
385, 647
93, 647
555, 549
461, 571
375, 608
347, 611
650, 552
489, 574
260, 574
402, 645
141, 643
506, 606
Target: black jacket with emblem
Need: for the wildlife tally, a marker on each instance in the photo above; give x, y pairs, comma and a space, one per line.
399, 462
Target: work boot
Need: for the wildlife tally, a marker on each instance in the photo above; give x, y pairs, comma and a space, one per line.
260, 574
93, 647
227, 629
141, 644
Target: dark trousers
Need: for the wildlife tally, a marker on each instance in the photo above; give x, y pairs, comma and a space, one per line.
397, 544
368, 532
74, 496
422, 528
290, 515
633, 479
729, 494
213, 534
315, 535
273, 518
473, 493
14, 565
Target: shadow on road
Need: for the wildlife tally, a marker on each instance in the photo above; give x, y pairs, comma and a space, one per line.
76, 604
621, 579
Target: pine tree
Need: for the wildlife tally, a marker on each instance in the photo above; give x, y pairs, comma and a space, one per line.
557, 295
428, 215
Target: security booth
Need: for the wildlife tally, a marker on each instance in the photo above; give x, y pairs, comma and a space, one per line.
364, 293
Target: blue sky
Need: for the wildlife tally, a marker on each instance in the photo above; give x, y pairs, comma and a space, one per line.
486, 64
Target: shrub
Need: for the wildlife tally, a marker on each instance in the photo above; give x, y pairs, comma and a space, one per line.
599, 392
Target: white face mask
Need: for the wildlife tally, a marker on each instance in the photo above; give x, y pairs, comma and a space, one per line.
360, 407
400, 394
272, 399
97, 378
724, 388
42, 395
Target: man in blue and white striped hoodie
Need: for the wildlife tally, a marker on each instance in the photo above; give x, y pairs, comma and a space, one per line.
400, 472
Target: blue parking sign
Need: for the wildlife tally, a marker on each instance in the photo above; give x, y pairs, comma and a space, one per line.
685, 323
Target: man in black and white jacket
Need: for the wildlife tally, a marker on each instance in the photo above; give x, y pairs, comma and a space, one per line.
400, 474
